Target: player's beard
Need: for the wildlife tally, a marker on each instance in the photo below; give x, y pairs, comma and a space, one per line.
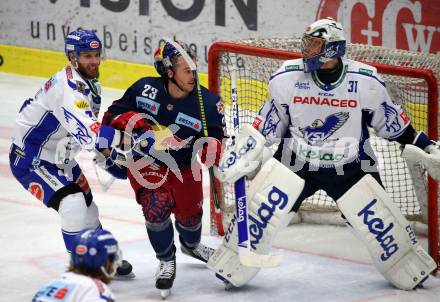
89, 73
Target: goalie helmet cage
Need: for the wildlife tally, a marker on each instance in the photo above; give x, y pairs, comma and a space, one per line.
411, 79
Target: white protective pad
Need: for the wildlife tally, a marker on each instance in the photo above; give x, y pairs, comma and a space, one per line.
271, 196
242, 155
386, 233
75, 215
428, 158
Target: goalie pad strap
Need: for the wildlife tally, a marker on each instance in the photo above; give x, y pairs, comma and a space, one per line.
386, 233
271, 196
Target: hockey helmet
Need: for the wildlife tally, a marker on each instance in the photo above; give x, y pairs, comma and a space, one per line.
81, 40
92, 248
165, 53
322, 41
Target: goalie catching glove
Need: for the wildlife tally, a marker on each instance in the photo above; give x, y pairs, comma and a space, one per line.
425, 153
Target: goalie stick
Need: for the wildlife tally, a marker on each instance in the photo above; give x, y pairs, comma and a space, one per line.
215, 195
247, 256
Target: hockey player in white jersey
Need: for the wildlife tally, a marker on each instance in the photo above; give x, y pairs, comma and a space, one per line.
53, 126
93, 261
320, 109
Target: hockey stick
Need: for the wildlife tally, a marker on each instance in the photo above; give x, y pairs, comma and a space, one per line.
247, 256
105, 184
193, 67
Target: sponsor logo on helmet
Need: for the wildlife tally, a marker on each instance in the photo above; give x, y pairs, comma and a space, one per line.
81, 249
74, 37
94, 44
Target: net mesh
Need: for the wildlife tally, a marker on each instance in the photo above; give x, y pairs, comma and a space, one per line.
253, 72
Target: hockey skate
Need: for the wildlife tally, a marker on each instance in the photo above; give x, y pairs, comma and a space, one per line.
200, 252
165, 275
124, 271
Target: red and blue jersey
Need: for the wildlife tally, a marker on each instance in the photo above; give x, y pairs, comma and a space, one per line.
177, 123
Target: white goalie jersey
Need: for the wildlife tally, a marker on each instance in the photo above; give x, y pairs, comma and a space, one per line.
71, 287
328, 122
60, 119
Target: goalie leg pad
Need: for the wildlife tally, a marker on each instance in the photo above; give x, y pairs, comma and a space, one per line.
271, 196
386, 233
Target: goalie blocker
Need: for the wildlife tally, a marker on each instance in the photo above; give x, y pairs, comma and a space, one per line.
271, 196
392, 244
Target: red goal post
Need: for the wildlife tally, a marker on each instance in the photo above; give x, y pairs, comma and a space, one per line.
412, 77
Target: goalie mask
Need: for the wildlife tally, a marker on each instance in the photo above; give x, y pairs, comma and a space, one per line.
322, 41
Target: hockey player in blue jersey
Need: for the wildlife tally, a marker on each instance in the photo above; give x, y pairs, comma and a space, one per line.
320, 109
53, 126
93, 262
168, 108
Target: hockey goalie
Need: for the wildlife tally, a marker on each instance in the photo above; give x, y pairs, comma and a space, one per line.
319, 112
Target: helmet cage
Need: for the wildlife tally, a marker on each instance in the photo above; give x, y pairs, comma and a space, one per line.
329, 33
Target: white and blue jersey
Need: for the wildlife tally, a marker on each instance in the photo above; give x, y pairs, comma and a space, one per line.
323, 128
49, 132
327, 123
71, 287
59, 121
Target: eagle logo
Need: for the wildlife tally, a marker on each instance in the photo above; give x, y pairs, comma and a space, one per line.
320, 130
392, 118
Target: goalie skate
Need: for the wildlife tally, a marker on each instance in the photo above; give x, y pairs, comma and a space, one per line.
165, 275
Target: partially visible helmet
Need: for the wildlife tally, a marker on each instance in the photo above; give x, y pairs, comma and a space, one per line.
165, 53
92, 248
326, 34
81, 40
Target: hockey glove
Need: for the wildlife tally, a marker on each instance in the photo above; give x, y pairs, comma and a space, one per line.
114, 164
425, 153
211, 152
133, 125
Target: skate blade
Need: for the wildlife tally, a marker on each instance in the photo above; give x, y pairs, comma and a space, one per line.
164, 293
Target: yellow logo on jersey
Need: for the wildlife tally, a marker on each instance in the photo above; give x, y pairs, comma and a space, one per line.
81, 104
164, 139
